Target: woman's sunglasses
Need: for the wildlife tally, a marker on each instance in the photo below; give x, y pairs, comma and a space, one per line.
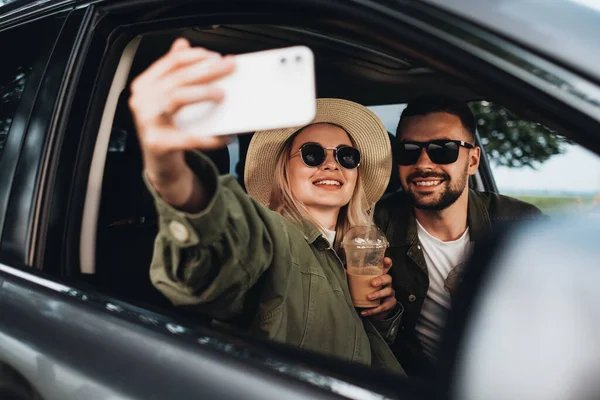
313, 155
439, 151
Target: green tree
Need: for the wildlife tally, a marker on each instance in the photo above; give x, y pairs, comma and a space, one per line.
514, 142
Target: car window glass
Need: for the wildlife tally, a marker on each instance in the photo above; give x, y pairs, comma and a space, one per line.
18, 51
535, 164
234, 155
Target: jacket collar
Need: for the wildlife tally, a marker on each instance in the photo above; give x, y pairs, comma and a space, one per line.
478, 217
478, 220
311, 232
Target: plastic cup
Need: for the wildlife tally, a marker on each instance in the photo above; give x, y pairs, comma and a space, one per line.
364, 248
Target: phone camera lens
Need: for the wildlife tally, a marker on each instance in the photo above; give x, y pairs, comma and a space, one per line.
298, 58
283, 60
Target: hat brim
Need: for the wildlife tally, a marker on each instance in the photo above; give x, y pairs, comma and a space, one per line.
364, 127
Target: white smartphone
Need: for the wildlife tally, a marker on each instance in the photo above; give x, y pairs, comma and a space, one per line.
269, 89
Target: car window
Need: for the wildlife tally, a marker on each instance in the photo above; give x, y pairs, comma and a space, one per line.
19, 51
535, 164
389, 115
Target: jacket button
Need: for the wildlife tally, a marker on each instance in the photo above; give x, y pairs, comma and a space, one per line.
179, 231
412, 298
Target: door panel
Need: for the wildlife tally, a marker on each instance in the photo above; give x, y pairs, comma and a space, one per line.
72, 344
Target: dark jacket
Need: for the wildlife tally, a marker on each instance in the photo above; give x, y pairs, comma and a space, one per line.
395, 216
239, 261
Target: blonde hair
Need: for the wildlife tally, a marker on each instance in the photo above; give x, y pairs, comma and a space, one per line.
284, 202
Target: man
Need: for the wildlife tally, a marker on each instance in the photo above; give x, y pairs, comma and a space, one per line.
433, 223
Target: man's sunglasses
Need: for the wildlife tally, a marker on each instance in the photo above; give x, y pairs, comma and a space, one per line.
313, 155
439, 151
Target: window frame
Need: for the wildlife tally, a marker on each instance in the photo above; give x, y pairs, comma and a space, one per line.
15, 141
146, 22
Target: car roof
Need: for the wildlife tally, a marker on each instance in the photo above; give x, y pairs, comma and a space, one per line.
345, 67
11, 7
567, 31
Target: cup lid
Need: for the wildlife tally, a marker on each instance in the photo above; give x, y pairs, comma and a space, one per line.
365, 236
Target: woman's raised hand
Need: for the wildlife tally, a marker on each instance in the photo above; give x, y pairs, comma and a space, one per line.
183, 76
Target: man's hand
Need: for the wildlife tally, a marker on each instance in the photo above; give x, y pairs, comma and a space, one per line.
385, 293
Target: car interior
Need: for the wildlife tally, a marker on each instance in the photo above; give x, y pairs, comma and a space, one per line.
120, 222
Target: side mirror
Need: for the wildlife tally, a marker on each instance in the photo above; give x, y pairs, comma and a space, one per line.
526, 324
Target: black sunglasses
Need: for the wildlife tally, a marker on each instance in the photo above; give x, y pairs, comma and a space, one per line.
313, 155
439, 151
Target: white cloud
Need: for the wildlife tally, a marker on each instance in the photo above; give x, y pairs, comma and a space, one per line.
595, 4
578, 170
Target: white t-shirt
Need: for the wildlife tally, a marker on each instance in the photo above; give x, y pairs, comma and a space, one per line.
441, 258
329, 235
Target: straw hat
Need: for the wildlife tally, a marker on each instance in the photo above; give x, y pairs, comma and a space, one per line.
365, 128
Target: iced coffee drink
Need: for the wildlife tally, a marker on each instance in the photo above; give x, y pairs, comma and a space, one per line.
364, 248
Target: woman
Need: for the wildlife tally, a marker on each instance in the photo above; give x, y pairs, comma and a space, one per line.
230, 256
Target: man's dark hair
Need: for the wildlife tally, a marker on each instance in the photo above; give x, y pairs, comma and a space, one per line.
431, 104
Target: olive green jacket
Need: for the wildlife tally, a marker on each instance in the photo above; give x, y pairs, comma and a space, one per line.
239, 262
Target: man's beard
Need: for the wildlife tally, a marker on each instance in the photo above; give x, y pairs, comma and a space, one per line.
451, 192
